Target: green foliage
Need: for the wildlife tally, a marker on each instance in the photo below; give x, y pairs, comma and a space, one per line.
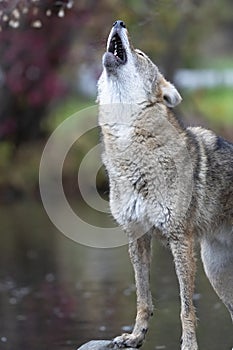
215, 105
20, 168
211, 108
65, 109
6, 149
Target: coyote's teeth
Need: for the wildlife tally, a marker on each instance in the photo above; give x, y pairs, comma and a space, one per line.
116, 48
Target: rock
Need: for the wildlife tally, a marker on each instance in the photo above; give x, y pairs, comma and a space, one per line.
100, 345
97, 345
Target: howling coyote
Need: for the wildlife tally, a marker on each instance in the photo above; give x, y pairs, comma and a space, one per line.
166, 181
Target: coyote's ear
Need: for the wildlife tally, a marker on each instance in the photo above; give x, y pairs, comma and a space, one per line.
170, 95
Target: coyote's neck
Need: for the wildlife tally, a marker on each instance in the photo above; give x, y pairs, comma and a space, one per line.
120, 119
126, 91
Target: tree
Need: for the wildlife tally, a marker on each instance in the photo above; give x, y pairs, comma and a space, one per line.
30, 58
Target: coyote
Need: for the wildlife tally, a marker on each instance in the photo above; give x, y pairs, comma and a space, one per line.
166, 181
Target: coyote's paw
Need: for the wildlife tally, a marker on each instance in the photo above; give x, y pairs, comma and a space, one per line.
129, 340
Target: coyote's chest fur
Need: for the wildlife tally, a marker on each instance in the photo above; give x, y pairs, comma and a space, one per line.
142, 166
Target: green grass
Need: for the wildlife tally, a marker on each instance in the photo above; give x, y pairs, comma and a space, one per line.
62, 111
21, 169
215, 105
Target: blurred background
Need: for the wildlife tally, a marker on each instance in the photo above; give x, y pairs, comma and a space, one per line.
55, 294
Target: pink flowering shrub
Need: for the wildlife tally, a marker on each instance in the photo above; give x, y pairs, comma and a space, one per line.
29, 71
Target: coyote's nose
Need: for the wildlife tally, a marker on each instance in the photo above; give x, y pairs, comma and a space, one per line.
119, 24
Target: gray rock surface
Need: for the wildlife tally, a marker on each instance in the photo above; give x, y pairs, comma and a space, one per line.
100, 345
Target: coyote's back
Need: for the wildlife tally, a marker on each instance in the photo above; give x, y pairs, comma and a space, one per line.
165, 180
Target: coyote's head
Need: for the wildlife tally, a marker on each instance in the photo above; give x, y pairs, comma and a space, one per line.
129, 76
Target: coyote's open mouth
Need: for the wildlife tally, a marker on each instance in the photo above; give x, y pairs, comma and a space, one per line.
117, 49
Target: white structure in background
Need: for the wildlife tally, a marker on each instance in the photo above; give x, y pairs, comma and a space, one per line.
87, 79
87, 76
203, 78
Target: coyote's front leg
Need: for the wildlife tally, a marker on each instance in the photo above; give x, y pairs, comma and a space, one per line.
183, 252
140, 254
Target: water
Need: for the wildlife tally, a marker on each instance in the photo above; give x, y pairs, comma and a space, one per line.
57, 294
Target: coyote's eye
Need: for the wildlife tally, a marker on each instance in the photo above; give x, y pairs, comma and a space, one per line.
140, 53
